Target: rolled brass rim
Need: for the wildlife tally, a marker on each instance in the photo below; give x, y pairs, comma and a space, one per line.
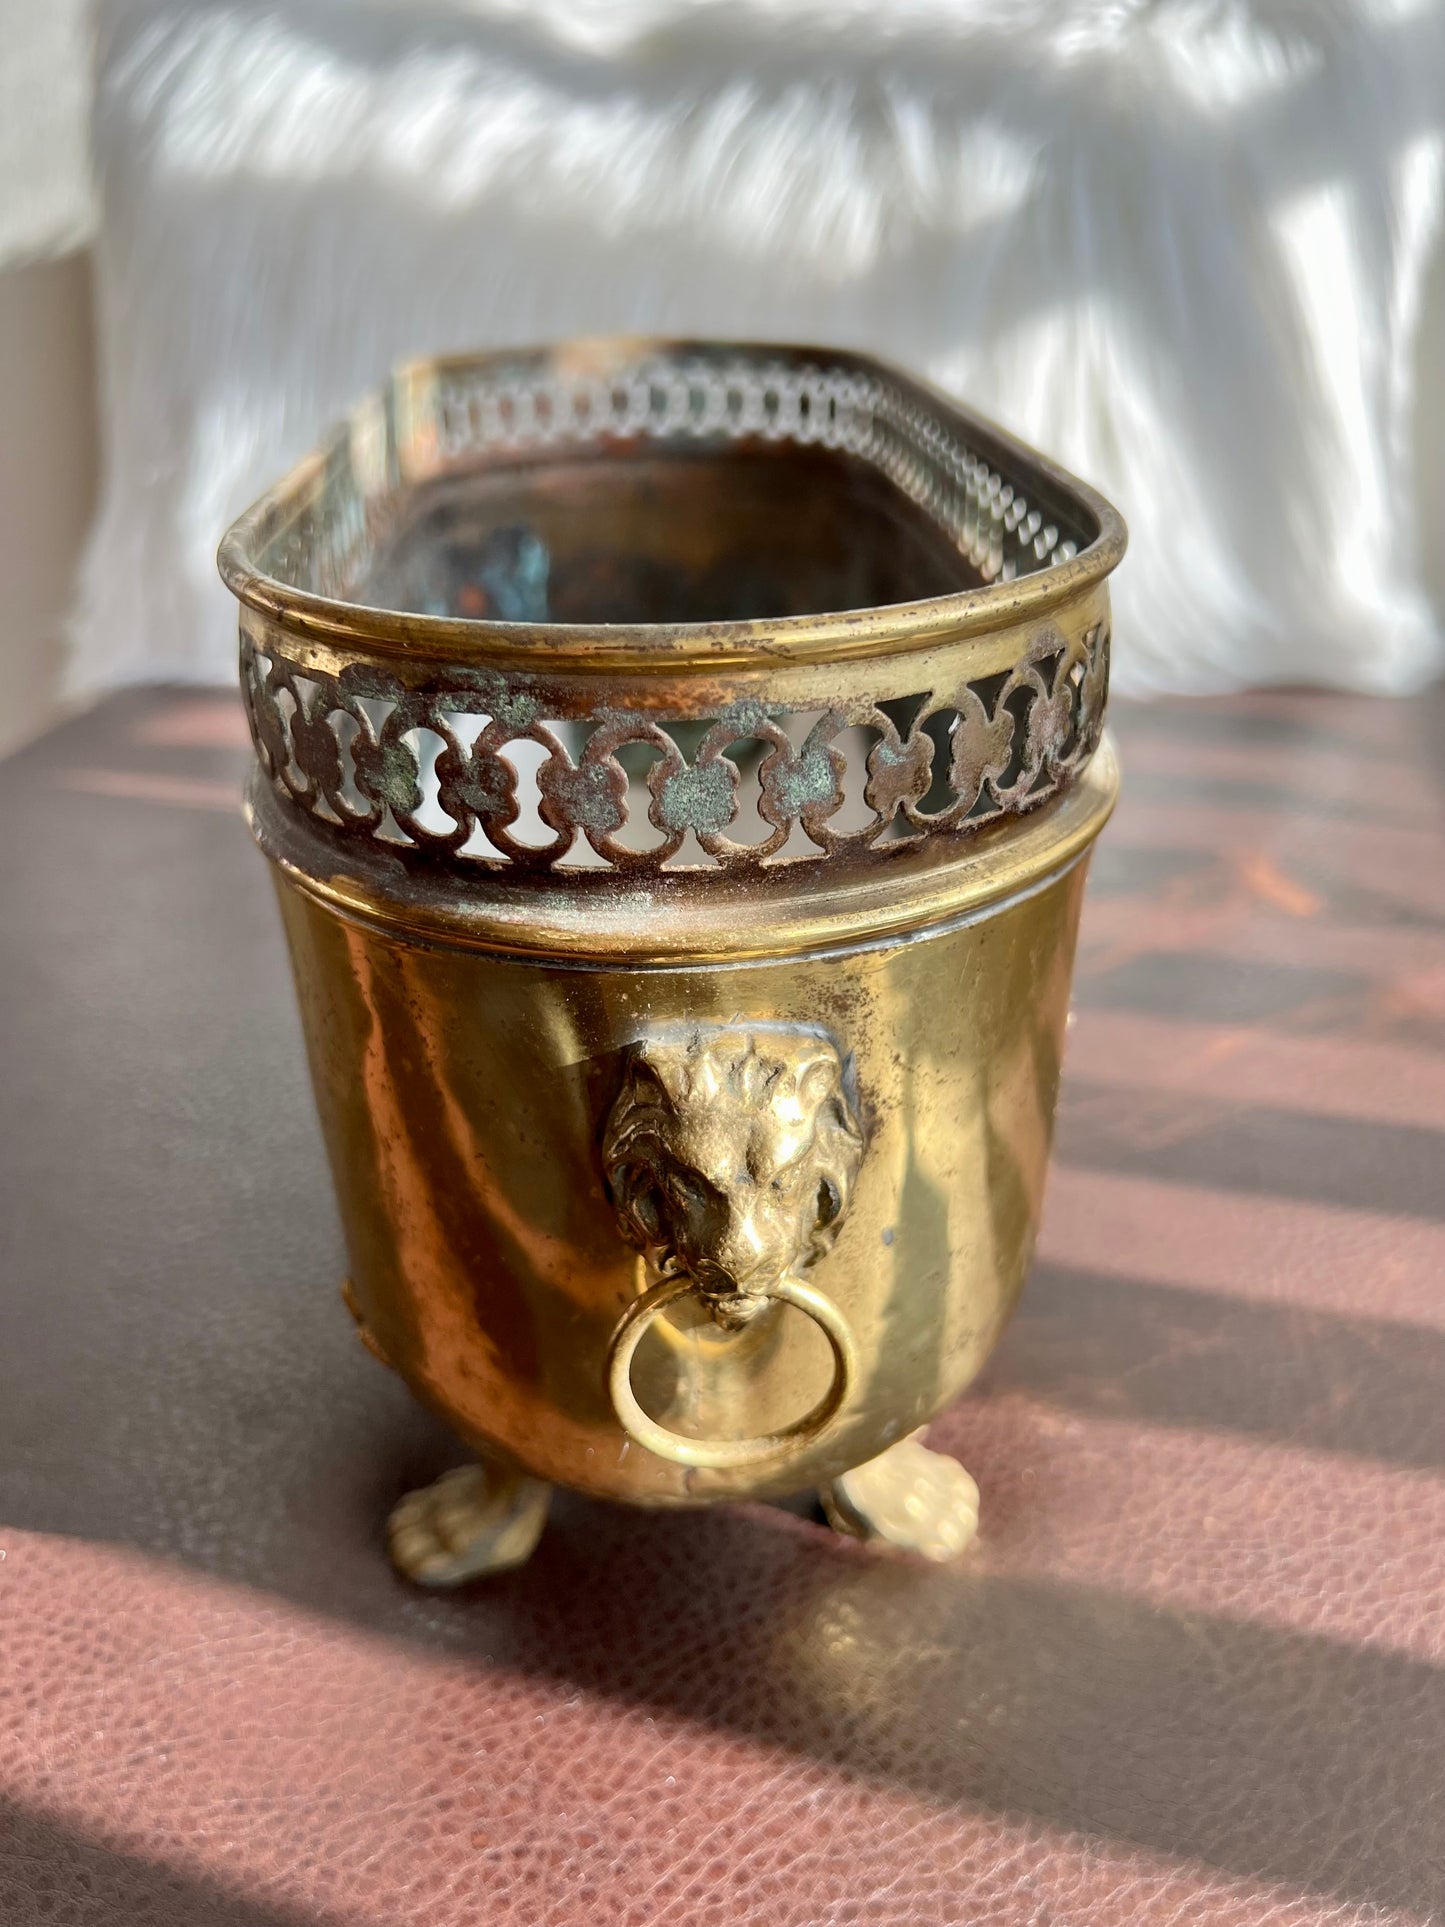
724, 1454
250, 569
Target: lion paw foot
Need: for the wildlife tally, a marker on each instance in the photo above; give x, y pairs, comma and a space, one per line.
476, 1520
908, 1497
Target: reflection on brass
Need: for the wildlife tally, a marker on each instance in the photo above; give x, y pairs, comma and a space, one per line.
679, 764
908, 1497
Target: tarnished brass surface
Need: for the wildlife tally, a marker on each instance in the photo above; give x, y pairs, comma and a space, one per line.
464, 1096
683, 1152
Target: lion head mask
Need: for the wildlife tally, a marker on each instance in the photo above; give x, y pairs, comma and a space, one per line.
731, 1154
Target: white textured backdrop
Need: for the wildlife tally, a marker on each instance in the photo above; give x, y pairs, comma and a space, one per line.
46, 204
48, 456
1182, 244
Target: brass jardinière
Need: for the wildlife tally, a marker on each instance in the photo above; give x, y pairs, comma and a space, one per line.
679, 764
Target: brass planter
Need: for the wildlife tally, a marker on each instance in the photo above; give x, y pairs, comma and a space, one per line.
679, 764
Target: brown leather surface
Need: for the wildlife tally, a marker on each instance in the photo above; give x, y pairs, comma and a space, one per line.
1193, 1672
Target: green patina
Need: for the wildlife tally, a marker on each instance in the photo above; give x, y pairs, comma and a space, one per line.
514, 710
397, 783
483, 800
486, 691
700, 798
894, 755
745, 717
591, 797
808, 779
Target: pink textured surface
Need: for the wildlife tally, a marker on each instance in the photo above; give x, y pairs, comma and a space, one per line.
252, 1750
1193, 1671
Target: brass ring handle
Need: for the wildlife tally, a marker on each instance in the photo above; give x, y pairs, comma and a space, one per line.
721, 1454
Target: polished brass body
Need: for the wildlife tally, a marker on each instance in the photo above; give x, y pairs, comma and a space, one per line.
708, 1165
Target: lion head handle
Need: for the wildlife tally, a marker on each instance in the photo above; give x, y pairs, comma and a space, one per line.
730, 1153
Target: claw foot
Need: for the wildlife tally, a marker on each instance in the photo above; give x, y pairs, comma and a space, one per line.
476, 1520
908, 1497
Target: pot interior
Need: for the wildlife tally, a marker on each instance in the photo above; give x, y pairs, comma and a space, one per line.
662, 536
